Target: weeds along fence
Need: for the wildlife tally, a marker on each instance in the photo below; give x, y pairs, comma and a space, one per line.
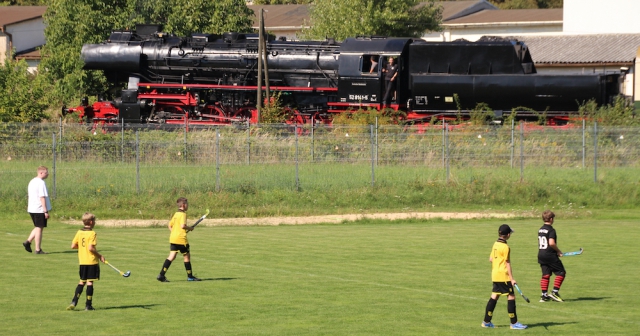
110, 160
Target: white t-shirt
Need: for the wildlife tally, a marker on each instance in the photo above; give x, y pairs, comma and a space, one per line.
37, 188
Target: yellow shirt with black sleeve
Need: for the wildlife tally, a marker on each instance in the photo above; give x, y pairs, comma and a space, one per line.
84, 239
501, 254
178, 234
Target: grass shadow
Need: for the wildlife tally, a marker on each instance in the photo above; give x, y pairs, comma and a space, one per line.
61, 252
217, 279
587, 299
147, 306
546, 325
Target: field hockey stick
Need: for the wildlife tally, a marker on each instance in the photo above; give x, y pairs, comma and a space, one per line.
519, 291
200, 219
124, 274
574, 253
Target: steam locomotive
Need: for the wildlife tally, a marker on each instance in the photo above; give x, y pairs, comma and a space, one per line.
212, 79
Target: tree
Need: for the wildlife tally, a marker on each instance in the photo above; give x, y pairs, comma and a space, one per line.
69, 25
347, 18
282, 2
21, 94
212, 16
527, 4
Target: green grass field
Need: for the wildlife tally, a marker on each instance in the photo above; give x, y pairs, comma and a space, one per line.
364, 278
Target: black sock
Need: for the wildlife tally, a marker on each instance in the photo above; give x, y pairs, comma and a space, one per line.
77, 294
511, 309
89, 295
491, 305
187, 266
165, 267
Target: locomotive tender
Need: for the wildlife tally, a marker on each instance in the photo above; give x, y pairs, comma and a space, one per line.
212, 79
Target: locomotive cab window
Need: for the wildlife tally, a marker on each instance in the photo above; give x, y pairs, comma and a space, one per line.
370, 64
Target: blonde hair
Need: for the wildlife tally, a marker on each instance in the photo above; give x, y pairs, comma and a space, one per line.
42, 168
88, 217
547, 216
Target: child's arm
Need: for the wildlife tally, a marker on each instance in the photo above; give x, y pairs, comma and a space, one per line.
92, 249
513, 281
186, 227
74, 245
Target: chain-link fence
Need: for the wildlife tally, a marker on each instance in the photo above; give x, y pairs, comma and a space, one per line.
109, 160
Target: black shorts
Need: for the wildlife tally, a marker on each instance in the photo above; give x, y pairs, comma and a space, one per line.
502, 288
184, 249
89, 272
38, 220
555, 267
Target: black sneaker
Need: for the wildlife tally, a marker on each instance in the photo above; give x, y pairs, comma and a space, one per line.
41, 252
27, 246
544, 298
162, 278
192, 278
89, 308
555, 296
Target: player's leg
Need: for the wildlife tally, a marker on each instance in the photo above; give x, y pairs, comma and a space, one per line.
559, 271
511, 309
89, 302
544, 282
167, 263
187, 265
499, 288
76, 295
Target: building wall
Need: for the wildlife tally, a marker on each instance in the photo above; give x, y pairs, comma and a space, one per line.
601, 17
4, 47
26, 35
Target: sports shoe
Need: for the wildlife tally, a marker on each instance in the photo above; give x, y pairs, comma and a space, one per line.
555, 296
72, 306
162, 278
487, 325
518, 326
27, 246
192, 278
91, 308
544, 298
41, 252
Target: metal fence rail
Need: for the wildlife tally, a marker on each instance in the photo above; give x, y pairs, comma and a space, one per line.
147, 157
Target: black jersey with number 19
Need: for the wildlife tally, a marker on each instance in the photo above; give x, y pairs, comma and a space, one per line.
545, 253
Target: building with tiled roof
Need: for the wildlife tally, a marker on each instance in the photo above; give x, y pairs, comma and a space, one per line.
21, 31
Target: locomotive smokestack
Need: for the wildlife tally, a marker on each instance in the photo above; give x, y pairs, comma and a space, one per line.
117, 57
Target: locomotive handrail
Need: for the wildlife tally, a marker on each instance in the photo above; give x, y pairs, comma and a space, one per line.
235, 87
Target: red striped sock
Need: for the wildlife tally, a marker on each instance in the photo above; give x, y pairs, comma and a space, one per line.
544, 283
558, 282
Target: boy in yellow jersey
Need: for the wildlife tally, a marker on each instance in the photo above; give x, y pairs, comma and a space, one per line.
85, 242
178, 240
503, 281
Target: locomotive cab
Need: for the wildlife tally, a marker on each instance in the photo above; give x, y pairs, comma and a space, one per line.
361, 78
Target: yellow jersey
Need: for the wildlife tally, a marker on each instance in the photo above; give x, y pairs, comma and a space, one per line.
501, 255
178, 234
84, 239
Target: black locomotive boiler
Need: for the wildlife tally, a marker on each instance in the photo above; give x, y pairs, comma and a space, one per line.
212, 79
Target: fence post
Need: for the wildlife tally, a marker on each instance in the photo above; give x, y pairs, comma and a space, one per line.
137, 162
313, 141
584, 143
53, 168
521, 151
217, 159
513, 140
122, 140
373, 156
297, 176
248, 143
595, 151
377, 140
446, 147
185, 137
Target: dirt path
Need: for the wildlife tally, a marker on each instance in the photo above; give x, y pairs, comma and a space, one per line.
330, 219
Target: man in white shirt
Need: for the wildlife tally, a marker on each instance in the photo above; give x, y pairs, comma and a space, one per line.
38, 207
